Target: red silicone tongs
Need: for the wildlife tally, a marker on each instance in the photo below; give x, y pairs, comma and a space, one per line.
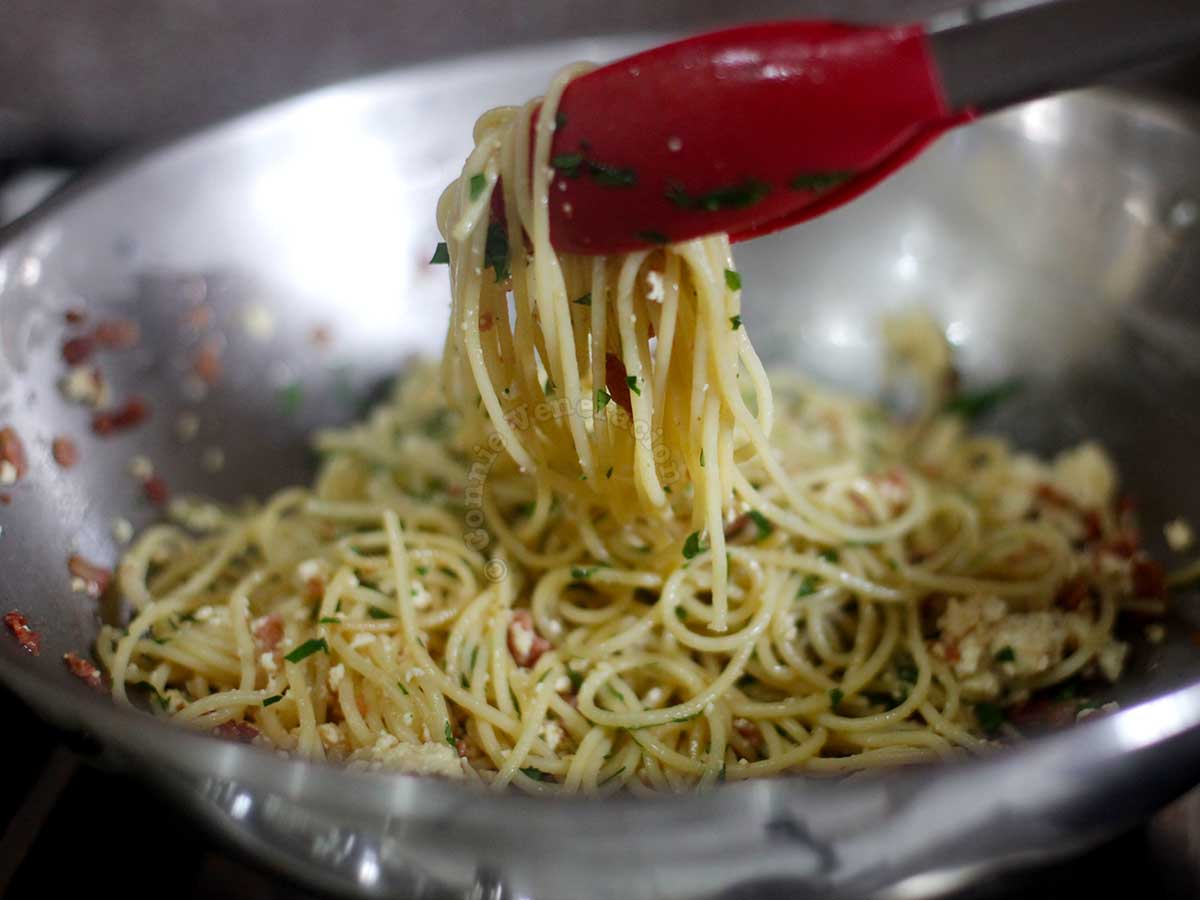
752, 129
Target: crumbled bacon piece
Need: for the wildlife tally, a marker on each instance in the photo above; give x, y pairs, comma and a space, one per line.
486, 321
1093, 527
74, 316
1149, 580
84, 670
236, 730
734, 528
30, 640
155, 490
66, 454
207, 364
524, 643
461, 746
117, 334
268, 631
77, 350
1054, 496
95, 577
314, 588
1072, 593
132, 414
12, 452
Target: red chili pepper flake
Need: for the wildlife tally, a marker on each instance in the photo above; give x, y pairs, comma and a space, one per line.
242, 732
1073, 592
207, 364
30, 640
13, 463
77, 350
84, 670
615, 379
1093, 526
74, 316
1149, 579
132, 414
486, 321
155, 490
66, 454
117, 334
95, 578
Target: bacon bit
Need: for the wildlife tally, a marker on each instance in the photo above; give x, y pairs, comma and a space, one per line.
614, 380
30, 640
1073, 592
321, 336
734, 528
96, 577
269, 631
74, 316
524, 643
132, 414
1124, 545
12, 451
1093, 526
207, 364
461, 746
77, 350
66, 454
155, 490
84, 670
1054, 496
117, 334
236, 730
1149, 580
747, 729
486, 321
314, 589
949, 652
1042, 713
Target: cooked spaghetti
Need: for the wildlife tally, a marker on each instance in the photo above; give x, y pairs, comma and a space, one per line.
517, 572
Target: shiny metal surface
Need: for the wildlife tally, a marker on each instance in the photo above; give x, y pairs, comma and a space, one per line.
1059, 242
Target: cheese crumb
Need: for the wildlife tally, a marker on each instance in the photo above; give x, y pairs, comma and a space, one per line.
141, 468
187, 424
267, 661
122, 530
1178, 534
8, 473
336, 674
362, 639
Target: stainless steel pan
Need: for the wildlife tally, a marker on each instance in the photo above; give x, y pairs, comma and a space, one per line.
1059, 241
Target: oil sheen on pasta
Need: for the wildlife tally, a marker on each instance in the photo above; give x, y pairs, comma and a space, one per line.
597, 550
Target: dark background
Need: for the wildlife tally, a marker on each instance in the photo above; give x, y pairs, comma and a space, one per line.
81, 80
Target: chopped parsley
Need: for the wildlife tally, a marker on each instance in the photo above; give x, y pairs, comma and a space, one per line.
560, 121
835, 696
568, 163
474, 656
733, 280
422, 570
702, 457
973, 404
549, 387
403, 689
632, 381
271, 701
608, 474
611, 176
580, 572
733, 196
307, 649
735, 322
990, 717
495, 251
762, 522
651, 237
830, 555
290, 398
585, 300
807, 586
478, 183
602, 398
692, 546
908, 671
329, 620
576, 679
681, 614
376, 613
618, 694
819, 181
441, 254
535, 774
611, 777
450, 735
1006, 654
